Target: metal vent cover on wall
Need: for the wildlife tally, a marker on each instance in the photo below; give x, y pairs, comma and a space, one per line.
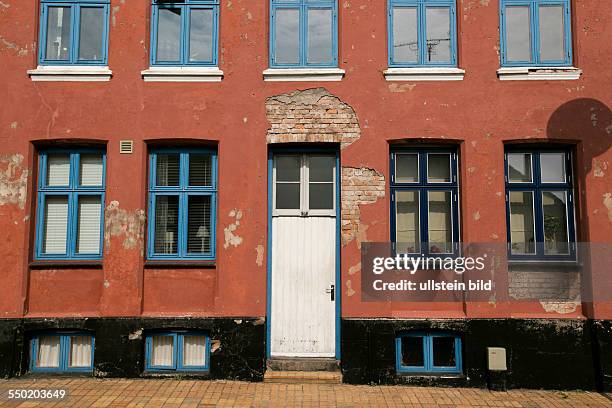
126, 146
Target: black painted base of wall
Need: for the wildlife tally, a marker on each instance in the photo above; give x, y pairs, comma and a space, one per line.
541, 353
237, 345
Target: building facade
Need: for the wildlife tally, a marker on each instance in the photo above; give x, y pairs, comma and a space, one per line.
187, 187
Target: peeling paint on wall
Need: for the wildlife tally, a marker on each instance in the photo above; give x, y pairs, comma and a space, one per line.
13, 180
360, 186
397, 88
354, 269
21, 51
600, 167
560, 307
230, 237
260, 255
312, 115
476, 216
349, 288
607, 202
129, 224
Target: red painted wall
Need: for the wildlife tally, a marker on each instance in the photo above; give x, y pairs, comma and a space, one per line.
481, 113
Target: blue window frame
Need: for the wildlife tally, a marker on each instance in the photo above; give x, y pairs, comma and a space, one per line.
184, 32
303, 33
182, 204
177, 351
428, 353
424, 201
535, 33
539, 204
74, 32
70, 206
422, 33
62, 352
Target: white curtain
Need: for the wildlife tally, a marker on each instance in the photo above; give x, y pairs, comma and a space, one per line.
194, 350
162, 351
48, 351
58, 170
91, 170
90, 211
56, 224
80, 351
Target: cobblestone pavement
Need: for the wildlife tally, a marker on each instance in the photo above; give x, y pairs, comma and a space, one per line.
124, 393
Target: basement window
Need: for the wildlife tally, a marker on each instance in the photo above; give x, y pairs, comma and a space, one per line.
62, 352
428, 353
177, 351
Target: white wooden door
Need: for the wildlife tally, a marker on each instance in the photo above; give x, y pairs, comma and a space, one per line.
303, 313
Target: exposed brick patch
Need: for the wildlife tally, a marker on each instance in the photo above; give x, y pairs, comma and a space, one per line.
312, 115
128, 224
359, 186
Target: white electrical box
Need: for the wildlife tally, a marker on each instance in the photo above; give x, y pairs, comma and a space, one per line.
496, 358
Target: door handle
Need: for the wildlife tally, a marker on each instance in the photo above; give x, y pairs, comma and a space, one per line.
332, 291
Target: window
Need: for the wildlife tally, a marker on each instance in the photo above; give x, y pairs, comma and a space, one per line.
303, 33
70, 205
540, 205
62, 352
74, 32
422, 33
428, 353
536, 32
177, 351
424, 191
182, 204
184, 32
304, 184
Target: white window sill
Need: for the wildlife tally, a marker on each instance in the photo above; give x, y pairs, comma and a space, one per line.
303, 74
182, 74
539, 73
70, 73
424, 74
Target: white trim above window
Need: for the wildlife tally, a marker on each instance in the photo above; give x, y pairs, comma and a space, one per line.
182, 74
424, 74
303, 74
539, 73
70, 73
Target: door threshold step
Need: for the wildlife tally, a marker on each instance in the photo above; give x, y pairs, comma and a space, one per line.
303, 364
303, 377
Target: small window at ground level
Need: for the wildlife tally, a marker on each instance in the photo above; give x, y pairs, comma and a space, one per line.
62, 352
177, 351
428, 353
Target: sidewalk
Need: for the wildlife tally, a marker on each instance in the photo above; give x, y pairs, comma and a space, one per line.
122, 393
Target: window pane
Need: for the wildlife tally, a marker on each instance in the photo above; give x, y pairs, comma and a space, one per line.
522, 236
407, 228
554, 206
58, 34
200, 170
169, 34
80, 351
194, 350
405, 44
48, 353
438, 34
321, 196
56, 225
519, 168
88, 236
201, 35
321, 168
91, 33
162, 351
552, 33
552, 167
443, 351
412, 352
168, 170
440, 222
91, 170
287, 36
518, 37
287, 196
166, 224
407, 168
288, 168
320, 39
438, 168
199, 225
58, 170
